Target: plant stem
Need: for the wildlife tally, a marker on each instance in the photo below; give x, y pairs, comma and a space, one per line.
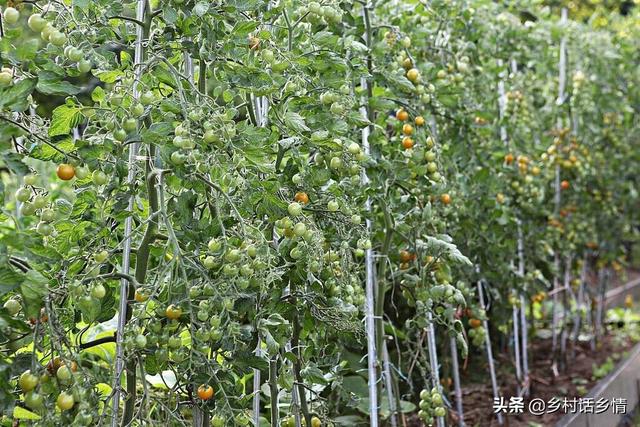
273, 387
295, 345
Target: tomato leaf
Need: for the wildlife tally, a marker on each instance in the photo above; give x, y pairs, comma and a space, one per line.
16, 97
33, 290
64, 119
50, 83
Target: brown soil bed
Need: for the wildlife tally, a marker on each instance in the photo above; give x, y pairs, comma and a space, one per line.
478, 401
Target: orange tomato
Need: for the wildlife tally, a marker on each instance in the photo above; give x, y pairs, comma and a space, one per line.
508, 159
565, 185
419, 121
402, 115
405, 256
301, 197
65, 172
407, 143
407, 129
445, 198
173, 312
475, 323
205, 392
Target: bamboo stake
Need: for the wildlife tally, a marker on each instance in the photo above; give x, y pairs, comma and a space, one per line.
492, 368
433, 360
128, 224
455, 369
559, 101
393, 410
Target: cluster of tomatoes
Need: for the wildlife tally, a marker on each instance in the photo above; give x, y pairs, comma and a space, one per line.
431, 406
60, 382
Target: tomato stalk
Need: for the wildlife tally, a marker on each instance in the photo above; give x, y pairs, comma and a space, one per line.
273, 388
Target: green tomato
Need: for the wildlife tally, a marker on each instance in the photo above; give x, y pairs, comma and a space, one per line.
147, 98
98, 291
233, 255
211, 137
177, 158
47, 215
440, 411
5, 79
47, 31
75, 54
98, 177
12, 306
32, 179
23, 195
130, 125
268, 56
214, 245
64, 374
217, 421
140, 341
34, 400
44, 229
27, 380
84, 66
335, 163
333, 206
36, 22
120, 135
57, 38
209, 262
294, 209
27, 209
296, 179
425, 395
101, 256
300, 229
65, 401
354, 148
137, 110
252, 251
39, 202
11, 15
82, 172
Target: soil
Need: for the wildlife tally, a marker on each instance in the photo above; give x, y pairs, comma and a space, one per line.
478, 403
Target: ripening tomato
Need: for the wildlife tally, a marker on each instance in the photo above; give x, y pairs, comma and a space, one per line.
407, 129
413, 75
508, 159
301, 197
65, 171
565, 185
407, 143
173, 312
475, 323
402, 115
65, 401
445, 198
405, 256
205, 392
419, 121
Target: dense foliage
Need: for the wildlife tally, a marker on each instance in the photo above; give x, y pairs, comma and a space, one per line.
196, 194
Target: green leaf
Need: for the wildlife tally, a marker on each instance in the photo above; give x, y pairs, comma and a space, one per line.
201, 8
9, 280
98, 94
33, 290
108, 76
46, 152
50, 83
19, 413
14, 162
16, 97
295, 121
64, 119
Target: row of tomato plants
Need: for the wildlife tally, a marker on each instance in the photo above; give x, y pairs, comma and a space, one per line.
251, 159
